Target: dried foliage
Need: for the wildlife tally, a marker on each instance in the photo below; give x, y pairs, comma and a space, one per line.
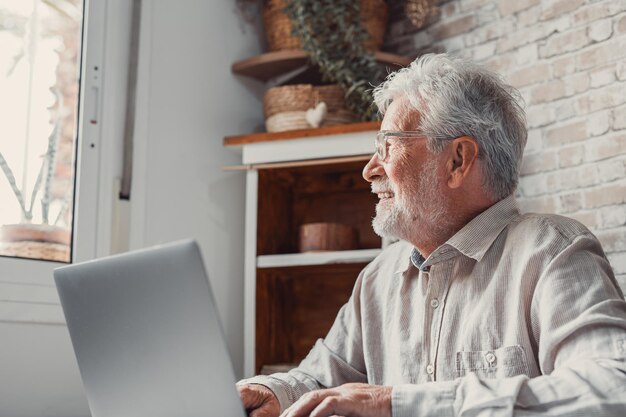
332, 33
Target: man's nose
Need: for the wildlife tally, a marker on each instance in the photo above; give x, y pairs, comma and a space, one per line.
373, 169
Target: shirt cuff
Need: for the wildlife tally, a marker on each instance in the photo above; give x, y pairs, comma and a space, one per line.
273, 385
424, 400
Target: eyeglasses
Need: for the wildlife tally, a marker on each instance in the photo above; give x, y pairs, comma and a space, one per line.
382, 143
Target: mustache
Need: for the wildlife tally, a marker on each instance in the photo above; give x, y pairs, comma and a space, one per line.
380, 186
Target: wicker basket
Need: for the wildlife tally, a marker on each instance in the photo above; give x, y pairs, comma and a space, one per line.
278, 26
285, 107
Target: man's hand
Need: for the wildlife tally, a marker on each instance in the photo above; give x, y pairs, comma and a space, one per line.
358, 400
259, 401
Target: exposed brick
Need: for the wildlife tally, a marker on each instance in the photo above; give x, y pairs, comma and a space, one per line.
613, 240
611, 170
576, 83
605, 195
567, 133
620, 71
602, 77
600, 30
569, 178
500, 62
620, 26
596, 11
538, 162
588, 218
531, 34
452, 28
613, 216
553, 181
484, 51
598, 123
422, 39
531, 75
559, 8
489, 31
618, 262
529, 16
589, 175
564, 66
538, 116
534, 143
570, 202
564, 110
454, 45
527, 54
571, 156
601, 54
507, 7
472, 4
487, 14
533, 185
602, 98
619, 118
605, 147
544, 204
559, 44
548, 92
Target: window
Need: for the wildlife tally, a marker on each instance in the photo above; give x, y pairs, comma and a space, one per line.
40, 48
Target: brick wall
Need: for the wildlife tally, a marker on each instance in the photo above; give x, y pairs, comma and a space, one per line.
568, 59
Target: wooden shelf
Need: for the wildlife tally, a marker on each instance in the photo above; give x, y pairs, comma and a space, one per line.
300, 134
274, 64
317, 258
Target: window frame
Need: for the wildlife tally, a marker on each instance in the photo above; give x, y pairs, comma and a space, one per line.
27, 285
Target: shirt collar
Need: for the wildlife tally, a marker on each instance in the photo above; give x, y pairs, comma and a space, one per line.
475, 238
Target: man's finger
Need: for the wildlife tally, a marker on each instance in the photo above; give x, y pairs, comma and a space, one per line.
260, 412
330, 406
307, 403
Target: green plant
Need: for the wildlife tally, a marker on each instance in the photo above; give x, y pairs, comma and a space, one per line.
332, 33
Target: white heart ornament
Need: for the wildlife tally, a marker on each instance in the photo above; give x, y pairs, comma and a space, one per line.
315, 116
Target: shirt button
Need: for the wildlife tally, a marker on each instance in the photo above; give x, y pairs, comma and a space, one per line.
434, 303
491, 358
430, 369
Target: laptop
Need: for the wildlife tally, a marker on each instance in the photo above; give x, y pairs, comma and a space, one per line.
146, 334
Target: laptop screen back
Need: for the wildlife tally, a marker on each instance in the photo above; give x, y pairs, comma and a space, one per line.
146, 335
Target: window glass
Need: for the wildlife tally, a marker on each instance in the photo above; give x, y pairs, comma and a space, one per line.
39, 90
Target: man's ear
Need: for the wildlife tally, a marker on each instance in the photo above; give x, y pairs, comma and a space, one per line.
462, 154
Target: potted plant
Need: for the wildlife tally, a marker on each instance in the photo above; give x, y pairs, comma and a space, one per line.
26, 239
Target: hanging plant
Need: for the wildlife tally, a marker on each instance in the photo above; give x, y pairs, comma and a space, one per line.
332, 33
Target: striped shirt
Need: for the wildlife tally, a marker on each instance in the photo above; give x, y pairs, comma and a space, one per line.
516, 313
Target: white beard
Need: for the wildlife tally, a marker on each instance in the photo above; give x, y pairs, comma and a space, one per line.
420, 209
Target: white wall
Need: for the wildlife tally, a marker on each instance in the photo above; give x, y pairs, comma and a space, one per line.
189, 101
38, 372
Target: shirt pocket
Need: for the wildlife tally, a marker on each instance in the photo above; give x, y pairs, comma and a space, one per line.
496, 363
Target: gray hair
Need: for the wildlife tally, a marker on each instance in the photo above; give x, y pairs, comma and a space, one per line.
456, 97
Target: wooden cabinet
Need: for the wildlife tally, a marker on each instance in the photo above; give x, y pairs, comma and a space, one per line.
293, 178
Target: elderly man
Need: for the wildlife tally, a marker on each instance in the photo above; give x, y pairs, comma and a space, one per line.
479, 310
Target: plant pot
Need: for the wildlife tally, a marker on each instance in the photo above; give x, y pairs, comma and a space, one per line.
35, 241
278, 26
